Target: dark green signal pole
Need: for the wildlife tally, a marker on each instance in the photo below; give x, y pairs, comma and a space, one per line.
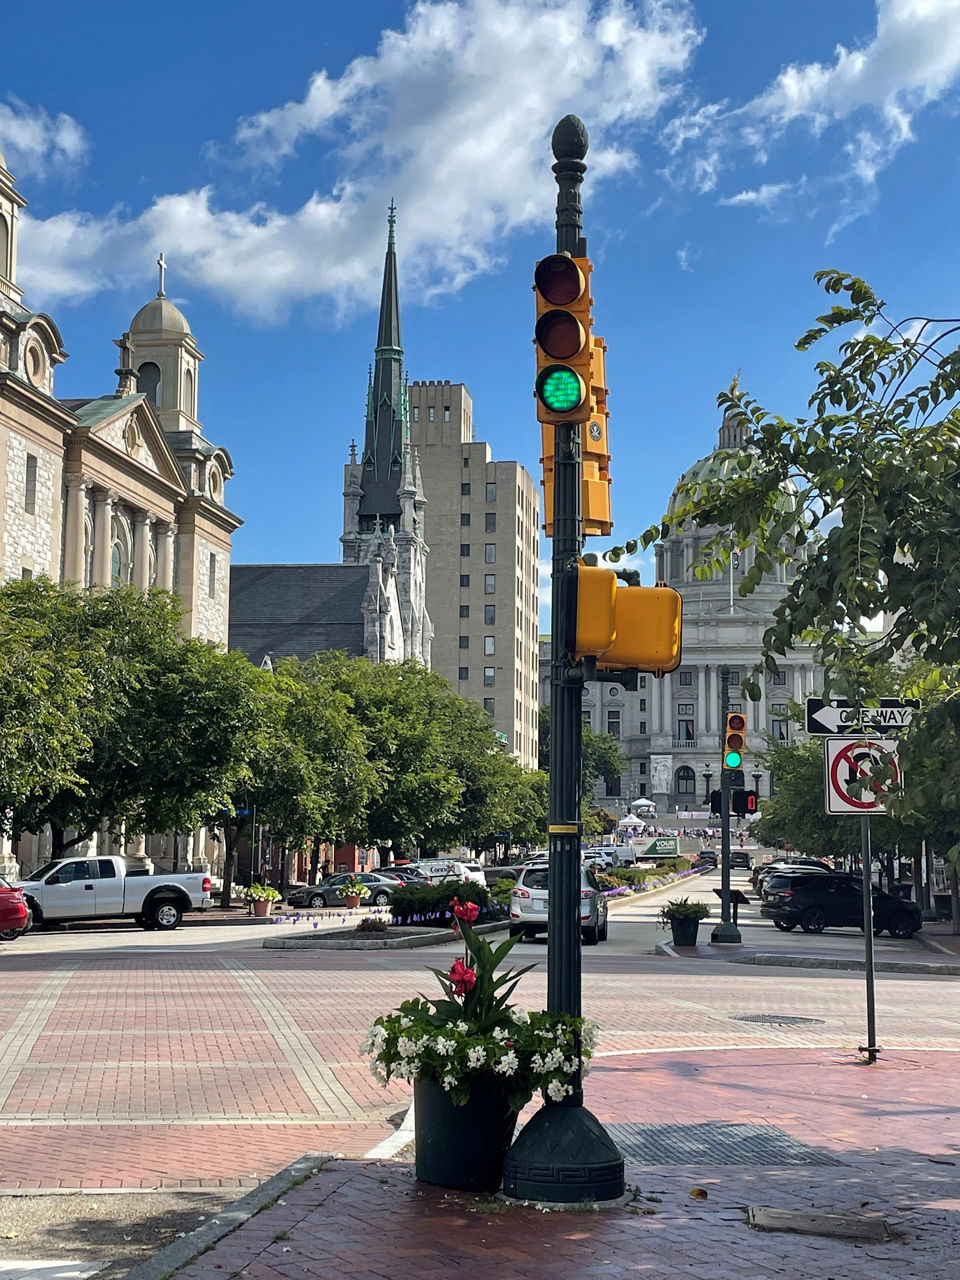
564, 1154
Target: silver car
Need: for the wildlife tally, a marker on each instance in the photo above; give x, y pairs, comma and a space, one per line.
529, 904
330, 892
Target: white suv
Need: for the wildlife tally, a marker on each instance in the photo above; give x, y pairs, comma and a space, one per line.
529, 904
439, 869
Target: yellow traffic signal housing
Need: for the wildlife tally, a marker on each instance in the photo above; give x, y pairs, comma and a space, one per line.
734, 740
648, 631
596, 610
562, 338
595, 449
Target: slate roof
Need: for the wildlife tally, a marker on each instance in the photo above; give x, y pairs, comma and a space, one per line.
101, 408
296, 609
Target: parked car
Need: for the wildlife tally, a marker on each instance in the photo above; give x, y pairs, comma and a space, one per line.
14, 912
407, 875
492, 874
529, 904
740, 858
787, 864
100, 888
329, 893
600, 859
709, 857
439, 869
816, 901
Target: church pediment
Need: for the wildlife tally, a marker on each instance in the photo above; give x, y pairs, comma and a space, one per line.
129, 425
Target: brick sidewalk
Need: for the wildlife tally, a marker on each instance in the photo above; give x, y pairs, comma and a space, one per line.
879, 1138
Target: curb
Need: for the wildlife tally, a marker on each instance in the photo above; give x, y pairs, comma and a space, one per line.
842, 962
434, 938
194, 1243
931, 945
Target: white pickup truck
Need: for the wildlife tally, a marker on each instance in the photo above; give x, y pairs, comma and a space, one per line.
100, 888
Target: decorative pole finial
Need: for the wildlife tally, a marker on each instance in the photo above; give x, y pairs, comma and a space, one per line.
391, 224
162, 264
569, 144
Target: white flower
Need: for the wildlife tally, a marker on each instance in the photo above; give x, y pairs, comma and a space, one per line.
406, 1047
461, 1027
508, 1063
553, 1060
571, 1065
557, 1091
444, 1047
406, 1022
521, 1016
449, 1082
501, 1034
537, 1062
476, 1056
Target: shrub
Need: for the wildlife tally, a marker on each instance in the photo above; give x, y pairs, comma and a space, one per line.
609, 882
675, 865
430, 903
500, 892
373, 924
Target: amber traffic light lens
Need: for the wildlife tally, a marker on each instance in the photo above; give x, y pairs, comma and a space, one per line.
559, 334
559, 280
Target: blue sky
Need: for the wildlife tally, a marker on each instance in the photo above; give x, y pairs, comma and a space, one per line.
736, 148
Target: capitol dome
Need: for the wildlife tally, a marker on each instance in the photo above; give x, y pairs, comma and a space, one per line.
722, 464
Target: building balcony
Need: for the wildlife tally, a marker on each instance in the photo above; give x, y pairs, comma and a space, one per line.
684, 744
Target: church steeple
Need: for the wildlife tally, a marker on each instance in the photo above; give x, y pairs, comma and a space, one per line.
387, 430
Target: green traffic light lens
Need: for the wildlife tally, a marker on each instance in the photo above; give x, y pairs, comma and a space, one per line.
560, 389
732, 760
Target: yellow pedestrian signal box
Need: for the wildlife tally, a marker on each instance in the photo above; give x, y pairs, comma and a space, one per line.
734, 740
595, 449
626, 628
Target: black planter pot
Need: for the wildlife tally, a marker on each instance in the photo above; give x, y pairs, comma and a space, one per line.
462, 1147
684, 930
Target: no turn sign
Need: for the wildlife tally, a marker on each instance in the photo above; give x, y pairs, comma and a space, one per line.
850, 764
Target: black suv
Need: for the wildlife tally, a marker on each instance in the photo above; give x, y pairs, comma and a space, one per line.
815, 901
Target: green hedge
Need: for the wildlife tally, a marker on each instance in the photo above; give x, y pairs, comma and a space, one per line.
430, 903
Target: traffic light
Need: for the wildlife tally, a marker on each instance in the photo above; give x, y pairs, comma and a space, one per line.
564, 349
743, 802
734, 740
624, 628
595, 449
716, 802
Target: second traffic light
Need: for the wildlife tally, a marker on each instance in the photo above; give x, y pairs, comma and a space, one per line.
734, 740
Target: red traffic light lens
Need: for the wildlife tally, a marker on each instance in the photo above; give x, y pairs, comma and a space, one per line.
736, 721
560, 334
558, 279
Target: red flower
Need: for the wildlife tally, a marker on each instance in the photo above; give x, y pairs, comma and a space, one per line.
461, 978
467, 911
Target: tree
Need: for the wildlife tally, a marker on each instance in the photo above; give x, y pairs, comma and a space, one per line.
166, 720
866, 488
601, 757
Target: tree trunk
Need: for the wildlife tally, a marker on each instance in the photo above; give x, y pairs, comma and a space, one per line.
955, 900
56, 846
314, 860
229, 861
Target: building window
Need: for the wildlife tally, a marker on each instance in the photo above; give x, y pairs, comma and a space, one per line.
642, 768
489, 646
416, 413
780, 677
465, 489
446, 413
733, 678
642, 727
735, 706
464, 642
489, 614
464, 579
642, 682
489, 677
148, 381
430, 413
26, 574
490, 522
585, 717
30, 486
779, 725
491, 490
490, 553
489, 583
464, 611
613, 724
686, 678
488, 705
464, 519
642, 789
464, 548
613, 786
685, 730
212, 576
686, 781
466, 461
641, 704
463, 673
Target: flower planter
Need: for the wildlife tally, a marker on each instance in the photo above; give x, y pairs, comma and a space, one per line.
462, 1147
262, 908
352, 900
684, 931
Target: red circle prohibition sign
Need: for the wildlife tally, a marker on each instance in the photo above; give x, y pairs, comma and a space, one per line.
852, 756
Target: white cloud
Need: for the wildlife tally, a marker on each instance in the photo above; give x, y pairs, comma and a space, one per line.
860, 107
764, 196
686, 257
35, 143
452, 115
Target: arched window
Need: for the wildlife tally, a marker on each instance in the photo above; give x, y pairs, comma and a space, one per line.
188, 404
686, 781
120, 559
148, 381
4, 248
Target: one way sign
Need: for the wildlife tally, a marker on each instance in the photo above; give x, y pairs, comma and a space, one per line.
843, 717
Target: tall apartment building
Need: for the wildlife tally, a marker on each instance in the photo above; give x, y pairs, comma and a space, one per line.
482, 525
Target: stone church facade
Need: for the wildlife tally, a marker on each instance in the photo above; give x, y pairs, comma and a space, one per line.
122, 487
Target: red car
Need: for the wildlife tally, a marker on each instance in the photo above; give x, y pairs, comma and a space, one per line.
14, 913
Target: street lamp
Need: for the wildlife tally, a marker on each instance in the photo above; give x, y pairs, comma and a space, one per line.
707, 778
757, 775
